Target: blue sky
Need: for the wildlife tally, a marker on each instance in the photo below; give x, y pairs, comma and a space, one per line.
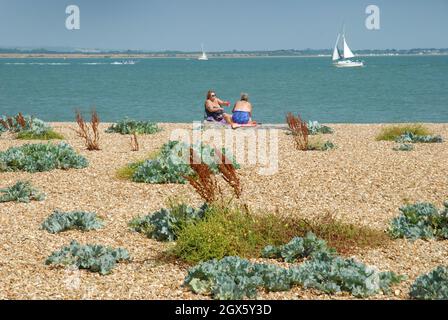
223, 24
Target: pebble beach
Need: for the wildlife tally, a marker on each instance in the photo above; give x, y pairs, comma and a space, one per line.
362, 181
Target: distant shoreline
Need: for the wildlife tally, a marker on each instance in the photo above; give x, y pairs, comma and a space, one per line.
183, 56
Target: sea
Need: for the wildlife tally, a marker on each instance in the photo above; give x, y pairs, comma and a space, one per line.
388, 89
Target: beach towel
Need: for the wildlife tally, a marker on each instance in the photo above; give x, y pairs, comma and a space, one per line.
211, 119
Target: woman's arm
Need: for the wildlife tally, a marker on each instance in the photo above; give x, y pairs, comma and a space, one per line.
223, 103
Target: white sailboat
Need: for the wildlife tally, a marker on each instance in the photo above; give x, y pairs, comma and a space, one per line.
203, 56
342, 59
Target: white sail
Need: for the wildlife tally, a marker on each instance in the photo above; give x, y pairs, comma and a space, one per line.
347, 52
336, 55
204, 55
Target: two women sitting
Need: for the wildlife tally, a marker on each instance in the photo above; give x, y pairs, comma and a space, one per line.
241, 113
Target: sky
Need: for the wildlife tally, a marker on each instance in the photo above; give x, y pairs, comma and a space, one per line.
157, 25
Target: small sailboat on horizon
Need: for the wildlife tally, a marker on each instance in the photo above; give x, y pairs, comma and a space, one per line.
203, 56
342, 59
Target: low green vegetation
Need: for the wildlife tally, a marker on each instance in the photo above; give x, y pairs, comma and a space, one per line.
165, 224
128, 126
235, 232
392, 132
28, 128
319, 145
170, 164
297, 249
233, 278
431, 286
128, 171
315, 127
223, 232
95, 258
414, 138
22, 191
47, 135
40, 158
403, 147
331, 274
63, 221
420, 221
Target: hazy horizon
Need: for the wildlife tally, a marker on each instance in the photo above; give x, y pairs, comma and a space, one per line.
105, 50
242, 25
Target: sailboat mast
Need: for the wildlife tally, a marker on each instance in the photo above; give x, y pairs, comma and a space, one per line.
336, 53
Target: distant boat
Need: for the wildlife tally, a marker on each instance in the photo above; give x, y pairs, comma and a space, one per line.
203, 56
342, 59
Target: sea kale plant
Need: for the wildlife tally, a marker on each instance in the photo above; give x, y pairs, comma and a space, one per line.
61, 221
129, 126
40, 158
28, 128
403, 147
172, 163
22, 191
315, 127
164, 225
233, 278
431, 286
21, 123
332, 274
298, 248
409, 137
321, 146
420, 221
96, 258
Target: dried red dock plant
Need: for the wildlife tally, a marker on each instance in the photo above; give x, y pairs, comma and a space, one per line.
21, 120
299, 130
134, 142
204, 181
90, 133
229, 173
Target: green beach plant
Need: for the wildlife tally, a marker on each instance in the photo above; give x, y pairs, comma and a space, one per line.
233, 231
47, 135
410, 137
130, 126
318, 145
40, 158
420, 221
22, 191
28, 128
234, 278
95, 258
172, 163
431, 286
220, 233
403, 147
315, 127
63, 221
333, 274
392, 132
297, 249
165, 224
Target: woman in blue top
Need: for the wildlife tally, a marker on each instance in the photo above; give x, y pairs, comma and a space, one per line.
242, 112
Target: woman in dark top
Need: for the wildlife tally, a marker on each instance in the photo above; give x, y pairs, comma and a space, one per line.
214, 108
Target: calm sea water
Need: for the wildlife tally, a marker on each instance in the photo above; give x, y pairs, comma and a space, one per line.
388, 89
